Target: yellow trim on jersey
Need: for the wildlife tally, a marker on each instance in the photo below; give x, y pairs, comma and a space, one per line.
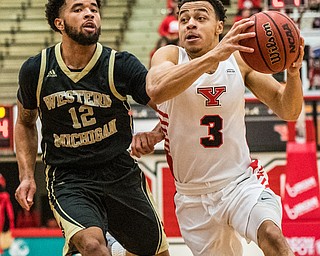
77, 76
162, 243
69, 229
41, 74
110, 76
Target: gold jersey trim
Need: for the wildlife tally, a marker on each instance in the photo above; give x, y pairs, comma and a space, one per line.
77, 76
41, 74
111, 78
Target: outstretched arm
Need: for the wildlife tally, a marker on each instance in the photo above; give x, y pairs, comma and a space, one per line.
166, 79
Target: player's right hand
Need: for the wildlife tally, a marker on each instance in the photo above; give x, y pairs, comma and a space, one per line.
295, 67
230, 42
25, 193
143, 142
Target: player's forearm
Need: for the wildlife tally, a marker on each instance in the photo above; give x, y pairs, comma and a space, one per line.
292, 98
26, 140
166, 80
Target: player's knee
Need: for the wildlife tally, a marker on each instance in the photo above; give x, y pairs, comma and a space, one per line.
91, 246
90, 242
272, 241
270, 234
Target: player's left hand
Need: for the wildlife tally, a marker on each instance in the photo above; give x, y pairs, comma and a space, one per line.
143, 142
295, 67
25, 193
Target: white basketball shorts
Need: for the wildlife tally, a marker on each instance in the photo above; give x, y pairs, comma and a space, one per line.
212, 224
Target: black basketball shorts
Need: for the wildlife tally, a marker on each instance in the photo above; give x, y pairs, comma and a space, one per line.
114, 197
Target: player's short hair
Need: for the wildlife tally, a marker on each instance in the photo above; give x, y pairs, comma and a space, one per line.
52, 11
216, 4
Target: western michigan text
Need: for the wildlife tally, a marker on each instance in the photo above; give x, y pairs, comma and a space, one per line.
89, 98
75, 140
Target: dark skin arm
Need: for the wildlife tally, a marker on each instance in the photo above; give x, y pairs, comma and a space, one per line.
26, 140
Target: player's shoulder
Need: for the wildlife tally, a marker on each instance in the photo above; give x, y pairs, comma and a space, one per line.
169, 49
119, 53
30, 69
126, 56
120, 56
167, 53
32, 63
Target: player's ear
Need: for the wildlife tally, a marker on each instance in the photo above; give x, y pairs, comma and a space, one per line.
59, 24
219, 27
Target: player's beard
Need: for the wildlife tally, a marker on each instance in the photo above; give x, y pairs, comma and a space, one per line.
82, 38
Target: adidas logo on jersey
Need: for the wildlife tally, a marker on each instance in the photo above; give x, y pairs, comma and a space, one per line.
52, 73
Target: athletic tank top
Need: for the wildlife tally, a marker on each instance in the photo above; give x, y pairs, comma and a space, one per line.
205, 128
85, 116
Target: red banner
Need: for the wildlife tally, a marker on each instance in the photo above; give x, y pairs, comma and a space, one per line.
302, 199
303, 237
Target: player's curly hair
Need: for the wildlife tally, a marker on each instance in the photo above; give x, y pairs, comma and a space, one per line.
217, 6
52, 11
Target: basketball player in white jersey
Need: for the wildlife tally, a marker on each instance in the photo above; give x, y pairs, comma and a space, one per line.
199, 88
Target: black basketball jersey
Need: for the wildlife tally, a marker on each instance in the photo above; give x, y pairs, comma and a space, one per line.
84, 114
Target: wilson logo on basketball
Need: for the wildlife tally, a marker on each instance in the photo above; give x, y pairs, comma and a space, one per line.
271, 44
276, 44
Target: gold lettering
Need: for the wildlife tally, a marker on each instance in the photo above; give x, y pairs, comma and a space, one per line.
75, 143
91, 136
75, 140
50, 101
105, 101
88, 98
61, 99
97, 99
79, 95
98, 134
68, 140
58, 141
69, 96
84, 138
112, 127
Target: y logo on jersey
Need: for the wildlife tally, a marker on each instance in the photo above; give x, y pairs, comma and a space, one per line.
212, 95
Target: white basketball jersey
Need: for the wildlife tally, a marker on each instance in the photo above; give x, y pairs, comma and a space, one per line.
205, 128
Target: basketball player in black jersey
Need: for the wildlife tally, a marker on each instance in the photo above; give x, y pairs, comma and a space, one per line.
79, 90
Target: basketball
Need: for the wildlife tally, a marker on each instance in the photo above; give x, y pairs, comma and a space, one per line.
276, 44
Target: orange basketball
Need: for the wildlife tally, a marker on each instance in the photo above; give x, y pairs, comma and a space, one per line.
276, 44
